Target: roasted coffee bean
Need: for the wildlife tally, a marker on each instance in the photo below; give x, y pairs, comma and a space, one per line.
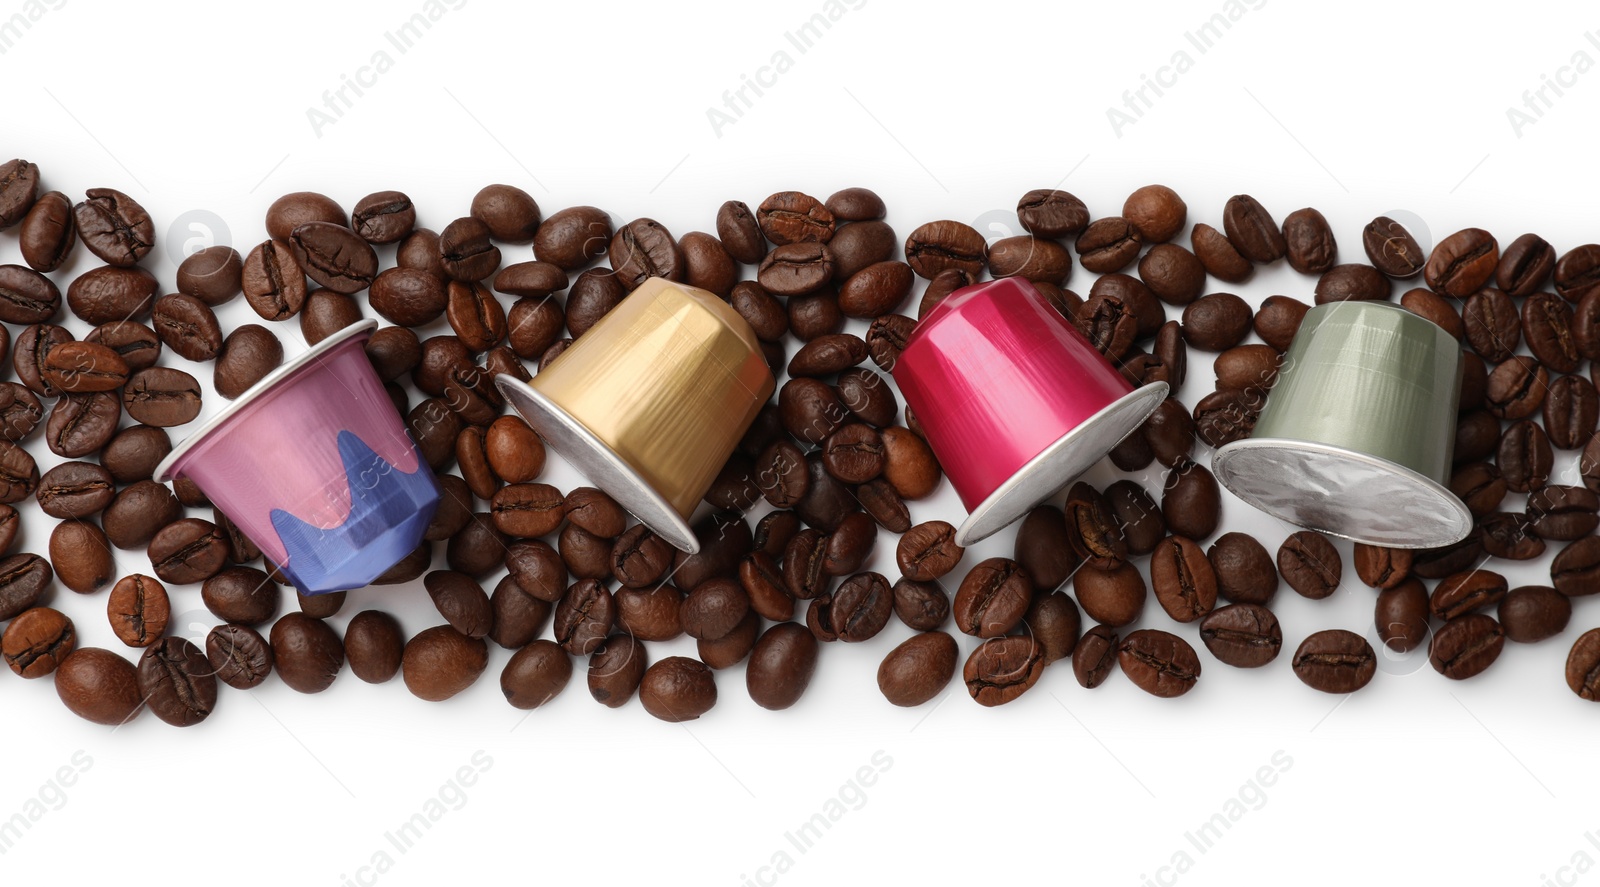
1044, 546
1462, 263
1533, 613
588, 556
1310, 564
438, 662
1583, 665
1480, 487
19, 189
1560, 512
1571, 410
1589, 464
1136, 516
1252, 229
375, 644
811, 409
1156, 213
99, 686
761, 577
273, 282
640, 557
240, 656
1436, 563
858, 246
855, 205
1159, 663
1093, 531
19, 474
177, 682
713, 608
1477, 437
803, 560
1517, 388
850, 544
10, 522
535, 674
583, 617
1109, 325
23, 579
1023, 256
928, 551
1577, 273
1491, 325
80, 424
519, 617
36, 642
1309, 241
921, 605
188, 550
860, 607
1432, 306
1170, 432
241, 550
867, 395
1380, 567
109, 294
940, 287
739, 232
1112, 597
1244, 570
644, 248
650, 614
247, 355
1278, 319
792, 217
26, 296
527, 510
1172, 273
1464, 647
242, 595
308, 653
533, 326
1003, 668
187, 326
533, 280
1224, 416
1547, 325
295, 209
910, 466
810, 316
1463, 593
1525, 265
936, 246
384, 217
327, 312
81, 556
1524, 457
114, 227
75, 489
1053, 621
466, 251
1191, 502
1335, 661
993, 598
1052, 213
828, 355
162, 397
1250, 368
1392, 249
887, 338
1184, 581
880, 288
478, 549
475, 315
796, 269
419, 250
1094, 656
20, 411
1242, 635
1218, 254
1510, 536
1401, 616
461, 601
1352, 282
508, 211
919, 669
615, 670
678, 689
137, 345
408, 297
573, 237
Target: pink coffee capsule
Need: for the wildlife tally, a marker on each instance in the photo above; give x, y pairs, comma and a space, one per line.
1015, 402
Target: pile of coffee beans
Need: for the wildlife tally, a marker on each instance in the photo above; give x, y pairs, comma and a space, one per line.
829, 465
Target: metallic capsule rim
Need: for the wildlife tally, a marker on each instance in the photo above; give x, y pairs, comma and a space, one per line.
1061, 463
597, 461
1225, 457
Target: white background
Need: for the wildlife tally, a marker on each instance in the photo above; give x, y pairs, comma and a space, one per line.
948, 110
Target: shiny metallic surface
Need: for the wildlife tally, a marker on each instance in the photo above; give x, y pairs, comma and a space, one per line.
651, 401
1000, 381
1356, 436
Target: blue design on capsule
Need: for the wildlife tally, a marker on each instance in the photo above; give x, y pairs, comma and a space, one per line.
389, 511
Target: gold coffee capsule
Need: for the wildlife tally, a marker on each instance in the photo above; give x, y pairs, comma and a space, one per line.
651, 401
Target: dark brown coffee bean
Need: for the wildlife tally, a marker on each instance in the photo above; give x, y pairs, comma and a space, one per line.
162, 397
177, 681
273, 282
1577, 273
533, 326
24, 578
1093, 531
1218, 254
375, 644
327, 312
1159, 663
1464, 647
527, 510
188, 550
136, 344
1244, 569
536, 674
1480, 487
1401, 616
1252, 229
573, 237
936, 246
616, 669
439, 662
408, 297
1310, 564
518, 615
295, 209
1052, 213
859, 609
640, 557
879, 289
114, 227
887, 338
739, 232
1525, 265
384, 217
644, 248
1477, 437
1380, 567
588, 556
1107, 245
1491, 325
139, 610
1172, 273
583, 617
475, 315
1510, 536
19, 474
713, 608
1533, 613
940, 287
1524, 457
1575, 572
792, 217
1156, 213
1517, 388
1429, 304
27, 296
827, 501
1112, 597
678, 689
1571, 410
928, 551
918, 669
1222, 417
138, 512
1094, 656
81, 556
1242, 635
478, 549
652, 614
80, 424
1463, 593
1547, 325
1392, 249
241, 595
1560, 512
1250, 368
1027, 257
1583, 665
921, 605
10, 523
247, 355
1352, 282
1170, 432
19, 188
796, 269
1109, 325
1462, 263
461, 601
1278, 319
530, 279
993, 598
1184, 581
75, 490
803, 561
308, 653
466, 251
1335, 661
1191, 502
99, 686
508, 211
1309, 241
188, 326
761, 577
1003, 668
1044, 547
37, 641
828, 355
240, 656
20, 412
